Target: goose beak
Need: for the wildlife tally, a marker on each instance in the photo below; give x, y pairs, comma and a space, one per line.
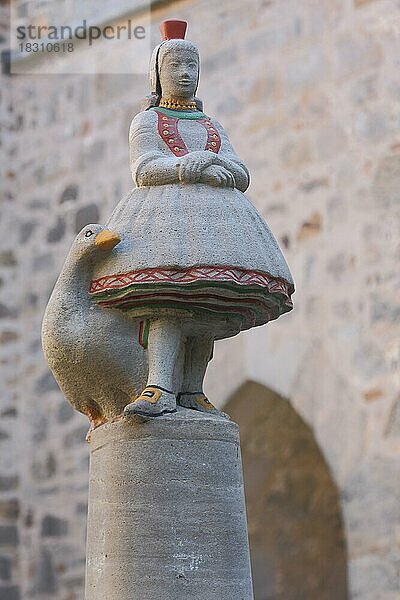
106, 240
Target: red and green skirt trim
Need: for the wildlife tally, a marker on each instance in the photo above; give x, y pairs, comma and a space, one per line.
253, 297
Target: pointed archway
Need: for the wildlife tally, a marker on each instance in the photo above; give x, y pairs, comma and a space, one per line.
295, 522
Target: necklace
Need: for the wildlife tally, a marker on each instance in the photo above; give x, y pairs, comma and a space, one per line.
178, 104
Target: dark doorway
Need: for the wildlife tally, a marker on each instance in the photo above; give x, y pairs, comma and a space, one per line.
295, 522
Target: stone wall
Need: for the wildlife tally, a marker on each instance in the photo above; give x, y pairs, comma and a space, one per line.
308, 91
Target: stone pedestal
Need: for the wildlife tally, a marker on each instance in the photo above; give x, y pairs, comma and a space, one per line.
167, 517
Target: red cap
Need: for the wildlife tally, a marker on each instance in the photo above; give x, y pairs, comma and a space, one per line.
173, 29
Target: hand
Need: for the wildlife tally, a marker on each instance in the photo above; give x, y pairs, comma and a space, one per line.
217, 176
192, 165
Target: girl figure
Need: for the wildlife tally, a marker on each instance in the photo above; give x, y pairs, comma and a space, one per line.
196, 261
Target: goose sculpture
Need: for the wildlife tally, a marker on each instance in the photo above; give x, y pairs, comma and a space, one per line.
93, 353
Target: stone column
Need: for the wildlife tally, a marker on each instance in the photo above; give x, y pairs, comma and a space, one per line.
167, 517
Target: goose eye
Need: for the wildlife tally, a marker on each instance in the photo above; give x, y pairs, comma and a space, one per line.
88, 233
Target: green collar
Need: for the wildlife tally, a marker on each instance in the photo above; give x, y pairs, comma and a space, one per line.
180, 114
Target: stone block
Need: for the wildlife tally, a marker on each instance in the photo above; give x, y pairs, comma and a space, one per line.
386, 186
45, 575
314, 184
8, 482
44, 469
6, 312
54, 526
9, 413
85, 215
10, 593
65, 412
384, 310
8, 258
6, 337
46, 383
309, 228
81, 508
38, 204
5, 568
26, 230
57, 232
8, 535
70, 193
9, 509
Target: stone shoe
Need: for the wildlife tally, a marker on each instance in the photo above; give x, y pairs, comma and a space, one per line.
152, 402
198, 401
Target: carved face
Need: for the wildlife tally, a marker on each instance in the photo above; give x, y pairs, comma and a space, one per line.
179, 73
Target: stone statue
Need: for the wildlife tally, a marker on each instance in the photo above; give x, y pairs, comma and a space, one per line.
94, 354
195, 262
184, 260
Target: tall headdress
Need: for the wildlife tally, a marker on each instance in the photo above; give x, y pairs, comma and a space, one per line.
173, 33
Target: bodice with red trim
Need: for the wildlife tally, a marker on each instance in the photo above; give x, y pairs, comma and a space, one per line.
168, 130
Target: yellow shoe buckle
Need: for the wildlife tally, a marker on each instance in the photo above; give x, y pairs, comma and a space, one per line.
150, 394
